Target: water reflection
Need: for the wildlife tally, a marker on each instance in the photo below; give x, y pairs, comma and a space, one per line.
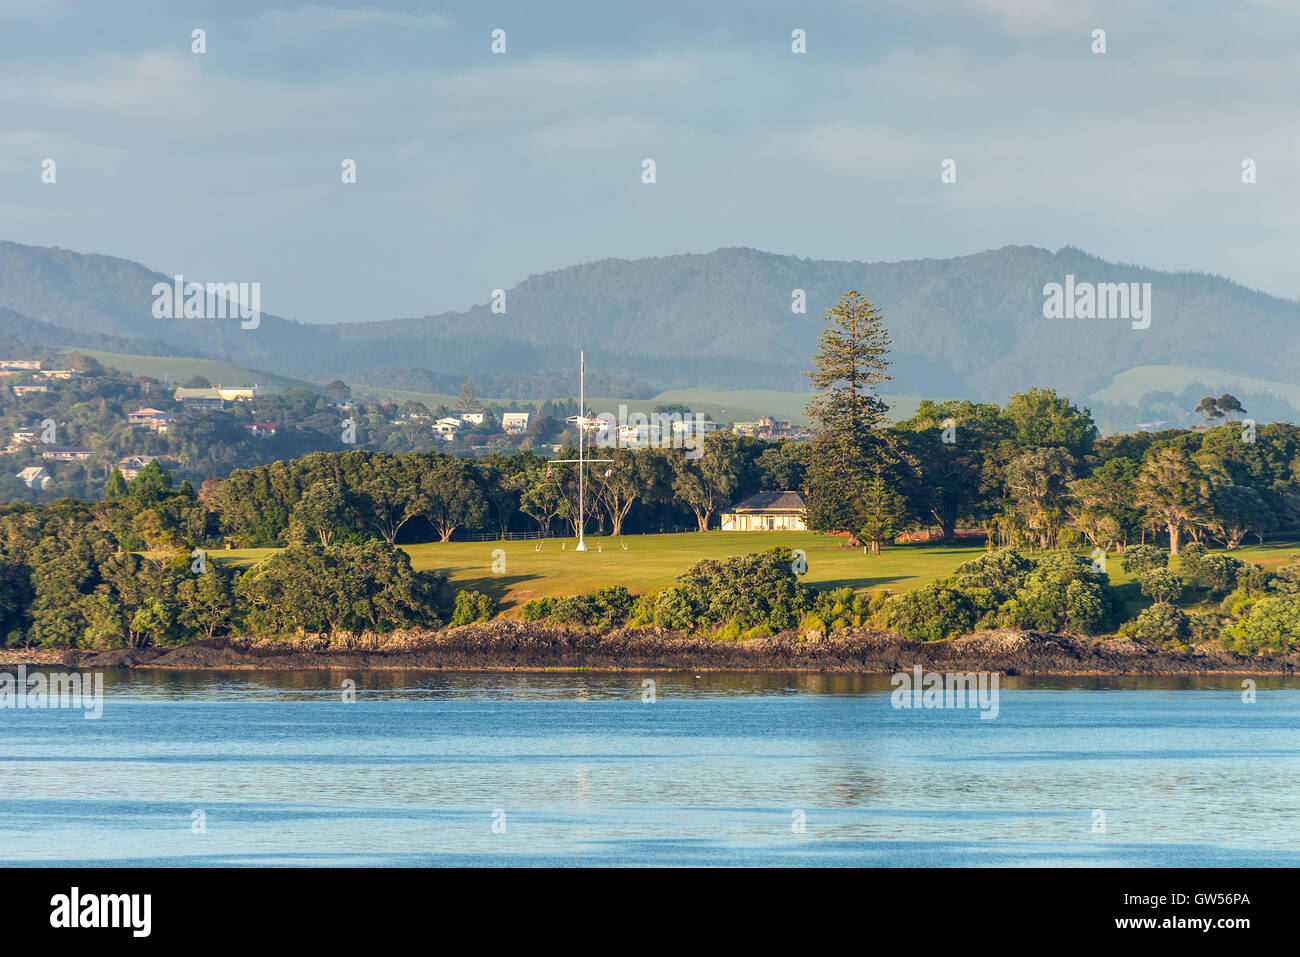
324, 684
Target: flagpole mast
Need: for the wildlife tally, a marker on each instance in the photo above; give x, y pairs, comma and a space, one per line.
582, 422
582, 427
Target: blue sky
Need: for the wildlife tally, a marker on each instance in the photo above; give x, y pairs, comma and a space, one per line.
475, 170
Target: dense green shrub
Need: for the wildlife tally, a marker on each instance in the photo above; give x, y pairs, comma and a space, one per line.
728, 632
353, 588
1161, 623
1273, 624
1288, 577
1255, 578
840, 608
1190, 558
1204, 628
536, 609
1000, 573
1061, 593
1219, 574
930, 613
749, 590
472, 606
673, 610
812, 623
1058, 592
1160, 585
1142, 558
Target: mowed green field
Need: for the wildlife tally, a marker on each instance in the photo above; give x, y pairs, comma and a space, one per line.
653, 561
552, 567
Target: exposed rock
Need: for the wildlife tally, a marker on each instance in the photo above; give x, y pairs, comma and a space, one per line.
519, 645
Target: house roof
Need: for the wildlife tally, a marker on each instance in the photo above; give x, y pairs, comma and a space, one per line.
770, 502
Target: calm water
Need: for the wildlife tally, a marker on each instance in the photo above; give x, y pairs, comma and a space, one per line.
712, 772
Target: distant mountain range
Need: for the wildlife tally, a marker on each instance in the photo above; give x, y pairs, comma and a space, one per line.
971, 326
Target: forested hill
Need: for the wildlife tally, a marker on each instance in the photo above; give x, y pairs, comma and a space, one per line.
970, 326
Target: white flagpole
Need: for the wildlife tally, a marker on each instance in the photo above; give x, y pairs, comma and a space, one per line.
581, 421
582, 427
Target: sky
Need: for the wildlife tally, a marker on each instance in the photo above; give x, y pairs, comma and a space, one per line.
476, 169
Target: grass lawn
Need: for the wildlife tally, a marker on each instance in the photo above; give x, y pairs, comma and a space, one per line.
653, 561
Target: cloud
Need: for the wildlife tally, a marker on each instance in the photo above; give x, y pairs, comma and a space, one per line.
1032, 17
1127, 154
288, 23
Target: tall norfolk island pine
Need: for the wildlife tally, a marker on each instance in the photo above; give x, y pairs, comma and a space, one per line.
849, 367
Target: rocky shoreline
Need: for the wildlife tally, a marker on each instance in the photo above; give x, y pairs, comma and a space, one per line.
527, 646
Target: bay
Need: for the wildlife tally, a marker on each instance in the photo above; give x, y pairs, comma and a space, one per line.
576, 768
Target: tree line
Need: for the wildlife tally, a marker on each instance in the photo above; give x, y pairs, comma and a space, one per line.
1035, 473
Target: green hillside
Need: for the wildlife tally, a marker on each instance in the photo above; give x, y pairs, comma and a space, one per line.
177, 369
1130, 386
969, 325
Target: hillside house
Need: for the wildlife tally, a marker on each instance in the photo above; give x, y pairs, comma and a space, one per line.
22, 390
35, 477
514, 423
416, 418
130, 465
57, 373
22, 438
20, 365
448, 426
262, 430
65, 453
692, 426
766, 512
199, 398
639, 436
243, 393
766, 428
155, 420
471, 418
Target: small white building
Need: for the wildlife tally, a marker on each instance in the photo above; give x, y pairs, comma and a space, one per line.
35, 477
766, 512
155, 420
514, 422
639, 436
65, 453
693, 427
448, 426
130, 465
239, 393
199, 398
